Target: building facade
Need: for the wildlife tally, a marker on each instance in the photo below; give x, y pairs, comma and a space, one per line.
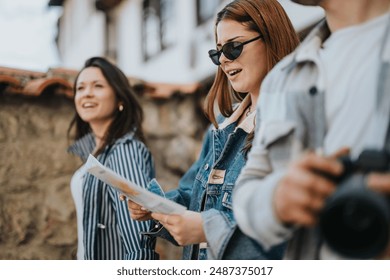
154, 40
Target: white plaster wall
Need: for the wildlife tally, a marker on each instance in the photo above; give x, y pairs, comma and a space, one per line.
82, 33
186, 61
129, 37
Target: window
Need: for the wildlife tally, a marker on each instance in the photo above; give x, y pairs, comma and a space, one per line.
158, 28
111, 37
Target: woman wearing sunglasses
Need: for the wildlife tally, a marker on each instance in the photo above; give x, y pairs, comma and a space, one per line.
251, 37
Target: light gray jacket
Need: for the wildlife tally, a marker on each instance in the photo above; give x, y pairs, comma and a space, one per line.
284, 132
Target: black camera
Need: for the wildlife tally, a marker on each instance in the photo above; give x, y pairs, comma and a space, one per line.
355, 220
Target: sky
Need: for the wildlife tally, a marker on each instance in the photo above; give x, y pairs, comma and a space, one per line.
28, 30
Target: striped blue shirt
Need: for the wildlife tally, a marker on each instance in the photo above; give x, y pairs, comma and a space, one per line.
109, 232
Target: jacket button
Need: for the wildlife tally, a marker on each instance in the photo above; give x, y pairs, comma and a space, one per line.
101, 226
313, 90
206, 166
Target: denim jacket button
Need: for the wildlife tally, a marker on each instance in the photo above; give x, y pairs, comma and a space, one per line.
206, 167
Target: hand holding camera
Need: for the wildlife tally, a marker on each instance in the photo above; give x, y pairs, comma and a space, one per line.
302, 192
356, 219
353, 218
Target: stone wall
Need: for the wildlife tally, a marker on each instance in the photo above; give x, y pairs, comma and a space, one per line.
37, 215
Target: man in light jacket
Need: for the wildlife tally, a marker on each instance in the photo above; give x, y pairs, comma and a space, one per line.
328, 98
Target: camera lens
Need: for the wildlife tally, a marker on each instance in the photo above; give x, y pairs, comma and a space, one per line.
355, 221
357, 218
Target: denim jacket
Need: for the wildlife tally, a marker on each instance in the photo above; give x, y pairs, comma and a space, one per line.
207, 188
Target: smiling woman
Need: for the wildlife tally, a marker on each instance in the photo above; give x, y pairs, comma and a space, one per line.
108, 124
95, 102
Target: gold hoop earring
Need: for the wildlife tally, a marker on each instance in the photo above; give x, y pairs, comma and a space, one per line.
120, 108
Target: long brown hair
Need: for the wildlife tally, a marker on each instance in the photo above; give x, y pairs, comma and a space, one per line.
128, 120
266, 17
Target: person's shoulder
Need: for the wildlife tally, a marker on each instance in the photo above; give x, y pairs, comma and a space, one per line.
126, 138
286, 64
274, 82
273, 89
130, 141
131, 150
281, 67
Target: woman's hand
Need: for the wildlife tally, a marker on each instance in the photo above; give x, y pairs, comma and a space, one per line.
186, 228
137, 212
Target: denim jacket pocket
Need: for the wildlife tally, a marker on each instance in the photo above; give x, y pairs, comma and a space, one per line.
275, 131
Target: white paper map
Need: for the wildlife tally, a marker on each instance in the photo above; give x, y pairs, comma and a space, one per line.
142, 196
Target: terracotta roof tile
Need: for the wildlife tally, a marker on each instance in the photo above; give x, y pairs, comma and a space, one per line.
165, 90
11, 81
31, 83
21, 72
38, 86
59, 81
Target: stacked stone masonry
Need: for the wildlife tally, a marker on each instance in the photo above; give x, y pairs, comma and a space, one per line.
37, 215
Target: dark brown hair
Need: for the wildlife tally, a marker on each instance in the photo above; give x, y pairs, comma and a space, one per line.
128, 120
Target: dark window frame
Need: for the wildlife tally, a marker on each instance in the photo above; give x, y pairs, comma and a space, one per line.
205, 17
154, 8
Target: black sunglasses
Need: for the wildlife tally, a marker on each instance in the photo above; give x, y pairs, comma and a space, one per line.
231, 50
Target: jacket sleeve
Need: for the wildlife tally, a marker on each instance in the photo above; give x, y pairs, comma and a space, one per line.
226, 240
133, 161
183, 193
253, 197
218, 230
